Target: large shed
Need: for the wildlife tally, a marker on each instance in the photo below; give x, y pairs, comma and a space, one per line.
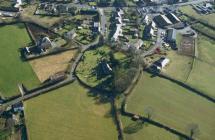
162, 21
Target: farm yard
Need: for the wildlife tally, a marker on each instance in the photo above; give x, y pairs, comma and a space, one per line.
50, 65
210, 18
171, 104
71, 112
12, 70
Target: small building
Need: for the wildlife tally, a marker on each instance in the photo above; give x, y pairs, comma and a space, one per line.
171, 35
106, 68
173, 18
18, 107
162, 21
161, 63
44, 43
96, 27
147, 20
18, 3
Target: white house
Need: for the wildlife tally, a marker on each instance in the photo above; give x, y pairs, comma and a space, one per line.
138, 44
161, 63
119, 25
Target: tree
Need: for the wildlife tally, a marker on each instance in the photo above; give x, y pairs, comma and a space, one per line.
138, 61
193, 130
123, 80
149, 112
133, 127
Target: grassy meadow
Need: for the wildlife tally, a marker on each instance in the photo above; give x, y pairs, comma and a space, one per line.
69, 113
147, 132
202, 74
206, 49
173, 105
179, 66
12, 70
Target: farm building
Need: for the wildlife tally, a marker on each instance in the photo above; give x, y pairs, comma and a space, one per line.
18, 107
171, 35
44, 43
173, 18
161, 63
162, 21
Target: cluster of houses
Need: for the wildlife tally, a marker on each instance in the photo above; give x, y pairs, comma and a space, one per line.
56, 9
119, 24
13, 9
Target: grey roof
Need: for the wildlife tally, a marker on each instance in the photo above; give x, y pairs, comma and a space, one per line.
171, 35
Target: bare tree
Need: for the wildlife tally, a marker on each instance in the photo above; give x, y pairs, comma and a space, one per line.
193, 130
149, 112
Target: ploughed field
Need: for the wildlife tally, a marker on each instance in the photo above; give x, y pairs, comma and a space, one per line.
69, 113
13, 70
173, 106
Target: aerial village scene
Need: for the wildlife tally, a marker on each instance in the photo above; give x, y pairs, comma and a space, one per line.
107, 70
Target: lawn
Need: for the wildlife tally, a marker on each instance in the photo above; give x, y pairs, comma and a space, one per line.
179, 66
210, 19
69, 113
147, 132
12, 70
173, 105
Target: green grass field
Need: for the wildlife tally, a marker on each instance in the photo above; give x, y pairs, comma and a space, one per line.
202, 77
202, 74
148, 132
173, 105
12, 70
206, 49
69, 113
179, 66
210, 19
204, 29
